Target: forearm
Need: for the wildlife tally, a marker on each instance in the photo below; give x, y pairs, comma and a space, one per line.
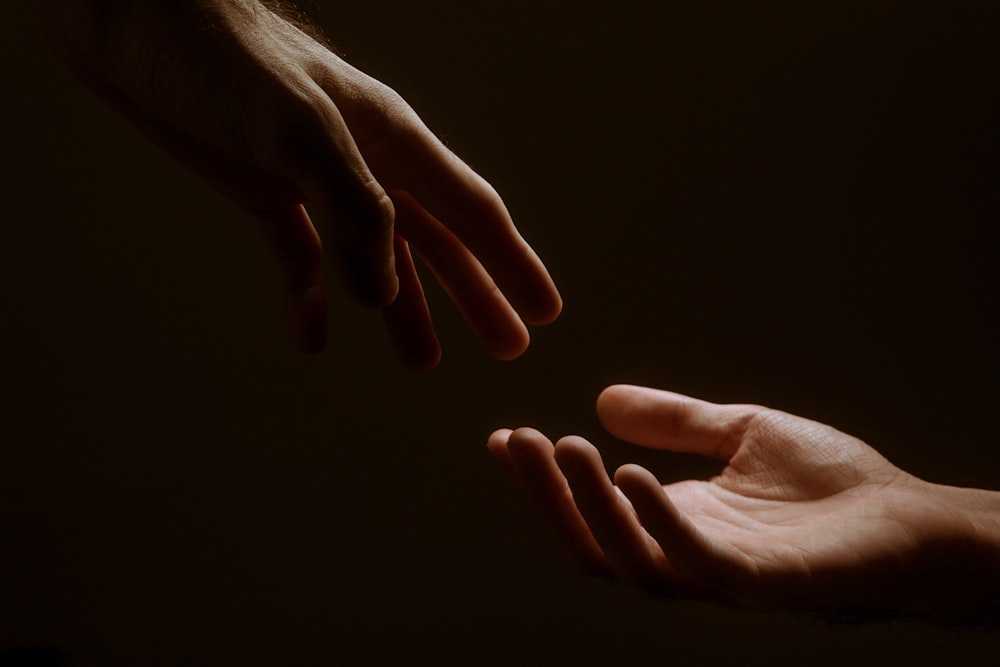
153, 60
100, 35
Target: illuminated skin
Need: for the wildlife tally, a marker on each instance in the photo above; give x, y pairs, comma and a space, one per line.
311, 148
802, 517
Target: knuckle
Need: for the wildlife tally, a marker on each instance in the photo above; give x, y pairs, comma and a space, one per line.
379, 118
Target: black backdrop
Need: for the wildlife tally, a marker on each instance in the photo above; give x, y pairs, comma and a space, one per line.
788, 203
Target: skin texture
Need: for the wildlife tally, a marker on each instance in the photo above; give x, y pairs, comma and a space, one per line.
801, 517
325, 159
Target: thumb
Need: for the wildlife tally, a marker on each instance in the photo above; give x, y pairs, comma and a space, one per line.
665, 420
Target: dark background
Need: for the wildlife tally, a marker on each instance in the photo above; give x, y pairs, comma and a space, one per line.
788, 203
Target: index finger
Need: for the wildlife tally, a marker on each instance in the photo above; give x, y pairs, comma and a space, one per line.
463, 201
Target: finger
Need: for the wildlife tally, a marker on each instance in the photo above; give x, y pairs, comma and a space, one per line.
352, 212
708, 566
497, 444
632, 553
469, 206
296, 248
665, 420
465, 280
408, 319
531, 456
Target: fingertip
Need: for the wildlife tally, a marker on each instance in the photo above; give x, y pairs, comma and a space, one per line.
615, 396
618, 389
627, 411
497, 445
526, 438
573, 452
512, 346
607, 399
499, 437
574, 443
528, 451
632, 476
544, 309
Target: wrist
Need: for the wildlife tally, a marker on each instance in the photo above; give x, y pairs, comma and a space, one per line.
959, 536
977, 514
